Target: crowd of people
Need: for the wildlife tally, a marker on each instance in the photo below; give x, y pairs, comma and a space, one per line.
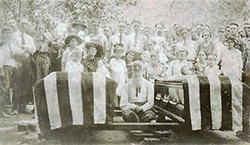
32, 48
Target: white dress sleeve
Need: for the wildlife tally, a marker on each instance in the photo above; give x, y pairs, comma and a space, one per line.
68, 67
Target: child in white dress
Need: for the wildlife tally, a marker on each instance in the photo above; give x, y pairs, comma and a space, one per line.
75, 64
212, 68
118, 71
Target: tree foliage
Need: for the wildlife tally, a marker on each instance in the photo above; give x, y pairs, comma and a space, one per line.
215, 12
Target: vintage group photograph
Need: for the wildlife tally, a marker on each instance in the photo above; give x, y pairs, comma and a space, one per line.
125, 72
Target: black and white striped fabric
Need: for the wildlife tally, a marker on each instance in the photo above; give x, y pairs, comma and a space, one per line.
74, 98
213, 103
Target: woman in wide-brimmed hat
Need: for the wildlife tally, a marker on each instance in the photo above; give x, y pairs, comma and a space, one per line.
231, 61
94, 53
71, 42
68, 40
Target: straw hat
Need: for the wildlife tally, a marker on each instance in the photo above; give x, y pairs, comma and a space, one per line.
69, 38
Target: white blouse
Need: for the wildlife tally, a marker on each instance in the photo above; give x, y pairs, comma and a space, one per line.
231, 63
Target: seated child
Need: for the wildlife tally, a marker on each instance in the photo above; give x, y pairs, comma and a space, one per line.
102, 69
212, 68
75, 64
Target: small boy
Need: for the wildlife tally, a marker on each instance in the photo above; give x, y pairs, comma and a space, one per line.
212, 68
102, 69
75, 63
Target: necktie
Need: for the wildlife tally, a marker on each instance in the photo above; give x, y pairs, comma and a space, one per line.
138, 91
120, 40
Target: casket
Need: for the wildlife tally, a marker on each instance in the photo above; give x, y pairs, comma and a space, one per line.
73, 99
72, 102
210, 102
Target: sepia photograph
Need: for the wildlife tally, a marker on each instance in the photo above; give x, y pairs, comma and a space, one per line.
124, 72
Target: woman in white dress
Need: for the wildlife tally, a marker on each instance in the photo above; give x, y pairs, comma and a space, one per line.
231, 61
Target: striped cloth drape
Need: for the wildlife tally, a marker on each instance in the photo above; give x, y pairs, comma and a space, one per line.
74, 98
213, 102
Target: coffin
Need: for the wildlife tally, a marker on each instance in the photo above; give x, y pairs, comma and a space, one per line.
73, 99
210, 102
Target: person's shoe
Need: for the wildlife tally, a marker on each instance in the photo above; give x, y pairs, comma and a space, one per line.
14, 112
153, 121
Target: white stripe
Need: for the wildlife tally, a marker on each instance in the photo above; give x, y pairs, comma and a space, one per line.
194, 101
52, 101
99, 84
75, 97
215, 99
237, 102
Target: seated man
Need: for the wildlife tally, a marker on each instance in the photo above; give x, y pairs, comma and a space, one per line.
137, 97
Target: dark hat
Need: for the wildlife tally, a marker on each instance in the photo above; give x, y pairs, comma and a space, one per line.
74, 24
98, 47
230, 37
68, 39
118, 47
234, 24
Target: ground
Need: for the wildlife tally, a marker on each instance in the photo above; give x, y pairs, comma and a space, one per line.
9, 135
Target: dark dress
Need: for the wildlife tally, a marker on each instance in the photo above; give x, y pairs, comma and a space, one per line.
90, 65
130, 73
